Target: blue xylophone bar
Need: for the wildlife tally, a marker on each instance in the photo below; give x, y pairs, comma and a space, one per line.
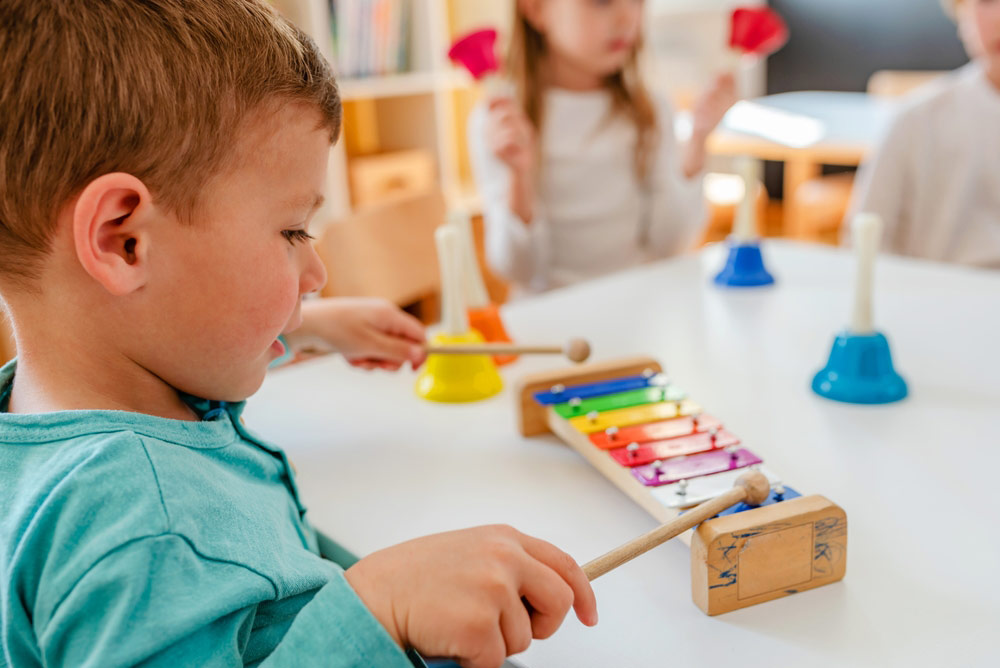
777, 496
588, 390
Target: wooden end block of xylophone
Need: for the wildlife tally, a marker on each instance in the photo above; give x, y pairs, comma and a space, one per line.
531, 416
765, 553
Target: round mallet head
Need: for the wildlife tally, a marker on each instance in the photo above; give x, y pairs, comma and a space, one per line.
577, 350
757, 487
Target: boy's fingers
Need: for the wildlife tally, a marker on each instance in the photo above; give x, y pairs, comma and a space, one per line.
549, 596
566, 567
488, 654
516, 627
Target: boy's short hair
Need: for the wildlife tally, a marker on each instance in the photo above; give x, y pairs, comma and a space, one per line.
155, 88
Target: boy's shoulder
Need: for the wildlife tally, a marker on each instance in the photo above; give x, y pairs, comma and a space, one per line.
68, 501
80, 479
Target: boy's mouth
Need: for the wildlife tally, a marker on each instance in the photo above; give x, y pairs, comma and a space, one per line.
278, 347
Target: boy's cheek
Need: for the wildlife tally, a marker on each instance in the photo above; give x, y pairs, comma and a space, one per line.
272, 310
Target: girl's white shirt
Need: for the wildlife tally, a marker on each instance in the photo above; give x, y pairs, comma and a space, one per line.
592, 216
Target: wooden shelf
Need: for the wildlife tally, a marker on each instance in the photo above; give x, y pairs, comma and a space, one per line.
410, 110
400, 85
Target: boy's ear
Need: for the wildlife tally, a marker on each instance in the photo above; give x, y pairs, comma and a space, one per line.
532, 11
110, 231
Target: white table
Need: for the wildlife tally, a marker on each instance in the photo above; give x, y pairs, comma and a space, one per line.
918, 479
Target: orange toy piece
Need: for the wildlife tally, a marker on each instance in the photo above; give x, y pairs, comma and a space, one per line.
486, 320
484, 315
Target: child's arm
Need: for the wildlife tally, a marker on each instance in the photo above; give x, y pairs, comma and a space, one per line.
676, 204
708, 112
502, 147
157, 602
370, 333
465, 594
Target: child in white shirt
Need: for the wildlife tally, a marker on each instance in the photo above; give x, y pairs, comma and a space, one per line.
935, 179
580, 173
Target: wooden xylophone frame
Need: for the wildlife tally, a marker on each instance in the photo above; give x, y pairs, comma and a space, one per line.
737, 560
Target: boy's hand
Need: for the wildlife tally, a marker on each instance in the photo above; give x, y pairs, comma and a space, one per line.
369, 333
465, 594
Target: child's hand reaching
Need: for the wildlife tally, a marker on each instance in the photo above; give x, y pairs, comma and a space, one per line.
708, 112
464, 594
713, 104
512, 139
511, 135
369, 333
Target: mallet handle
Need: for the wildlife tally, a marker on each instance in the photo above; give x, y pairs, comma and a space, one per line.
493, 349
632, 549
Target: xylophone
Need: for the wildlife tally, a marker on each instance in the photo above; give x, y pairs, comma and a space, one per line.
643, 433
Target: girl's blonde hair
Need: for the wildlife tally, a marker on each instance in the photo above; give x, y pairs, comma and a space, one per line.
524, 59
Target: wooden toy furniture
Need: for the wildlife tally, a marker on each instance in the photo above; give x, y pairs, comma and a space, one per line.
656, 445
385, 251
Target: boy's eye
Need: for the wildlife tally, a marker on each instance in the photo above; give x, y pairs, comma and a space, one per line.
297, 236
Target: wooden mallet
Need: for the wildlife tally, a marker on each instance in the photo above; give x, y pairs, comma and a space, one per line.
751, 487
576, 350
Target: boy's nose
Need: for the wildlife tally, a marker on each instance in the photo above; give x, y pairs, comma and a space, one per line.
313, 276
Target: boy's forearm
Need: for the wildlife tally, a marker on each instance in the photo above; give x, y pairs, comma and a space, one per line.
336, 620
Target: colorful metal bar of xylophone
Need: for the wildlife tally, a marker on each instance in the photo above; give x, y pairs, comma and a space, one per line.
643, 433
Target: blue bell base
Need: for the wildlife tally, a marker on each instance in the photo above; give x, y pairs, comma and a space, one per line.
744, 268
860, 371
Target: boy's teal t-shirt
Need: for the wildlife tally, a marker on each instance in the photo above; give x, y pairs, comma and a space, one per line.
131, 540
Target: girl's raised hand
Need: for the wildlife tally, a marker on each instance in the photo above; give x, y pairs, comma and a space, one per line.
511, 136
713, 104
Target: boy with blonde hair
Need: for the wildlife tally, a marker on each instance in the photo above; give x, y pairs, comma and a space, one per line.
161, 161
935, 178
